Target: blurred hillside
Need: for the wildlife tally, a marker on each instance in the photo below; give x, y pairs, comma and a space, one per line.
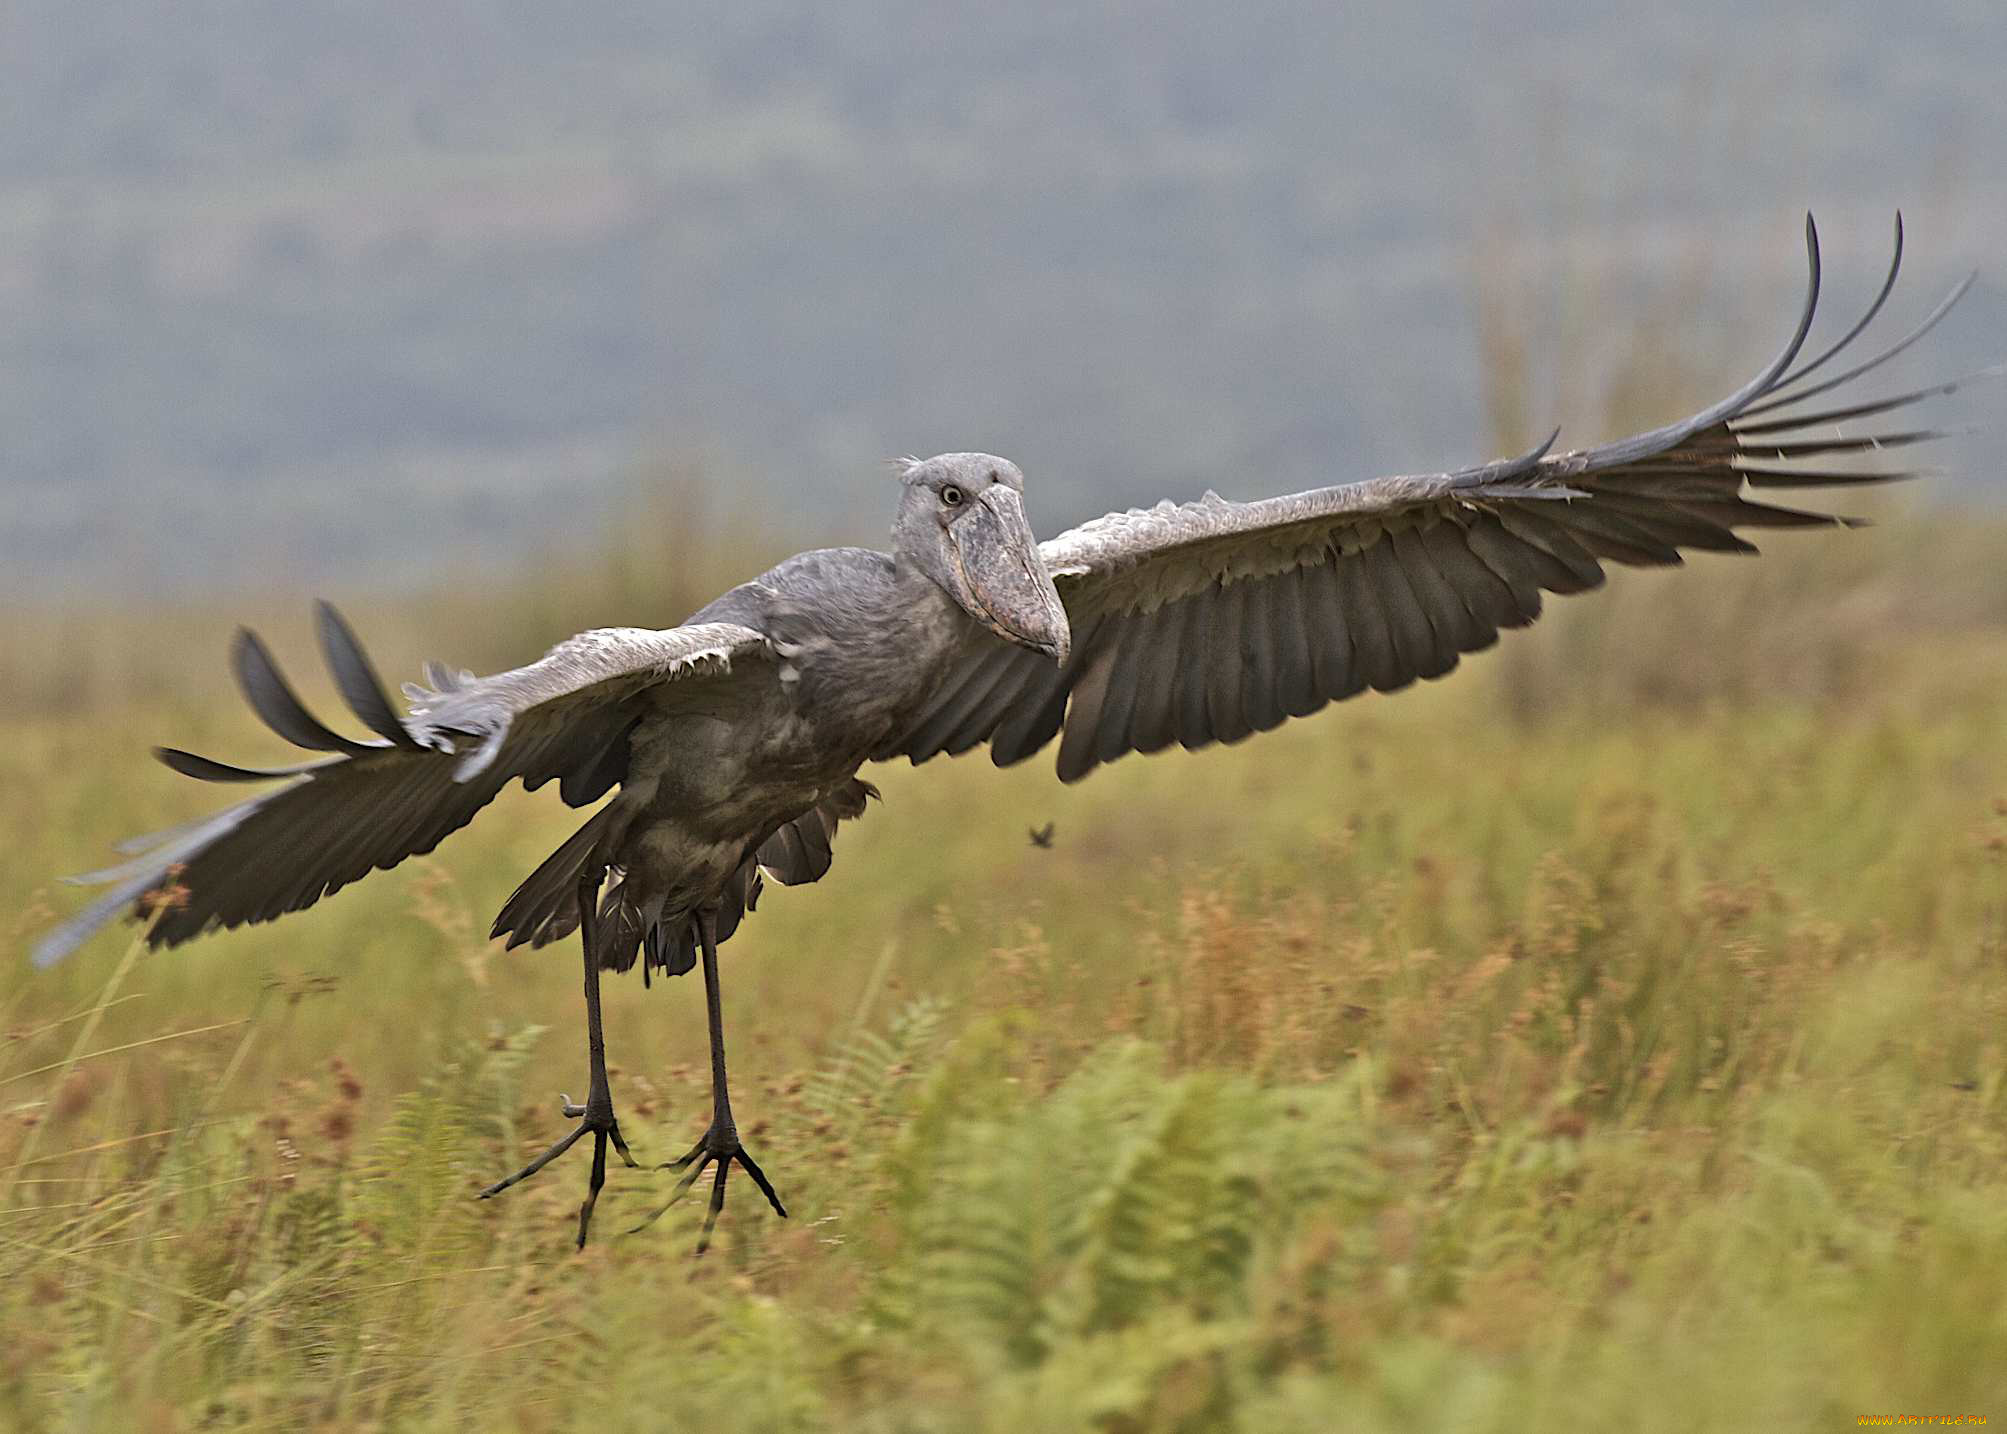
347, 296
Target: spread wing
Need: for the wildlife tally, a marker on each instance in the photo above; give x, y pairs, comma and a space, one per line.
1204, 622
403, 790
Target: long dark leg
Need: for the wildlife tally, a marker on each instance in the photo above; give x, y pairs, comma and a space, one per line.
721, 1141
596, 1115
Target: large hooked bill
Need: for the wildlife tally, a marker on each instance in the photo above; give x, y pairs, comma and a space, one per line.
1010, 592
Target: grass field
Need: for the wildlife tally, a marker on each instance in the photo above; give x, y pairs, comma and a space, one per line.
1612, 1036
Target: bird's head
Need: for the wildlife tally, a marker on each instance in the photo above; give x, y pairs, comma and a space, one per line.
961, 522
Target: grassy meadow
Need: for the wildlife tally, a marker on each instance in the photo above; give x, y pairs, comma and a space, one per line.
1613, 1035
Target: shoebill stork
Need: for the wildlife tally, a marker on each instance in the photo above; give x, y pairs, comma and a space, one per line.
732, 744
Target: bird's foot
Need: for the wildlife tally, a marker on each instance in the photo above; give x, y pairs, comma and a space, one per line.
597, 1119
720, 1144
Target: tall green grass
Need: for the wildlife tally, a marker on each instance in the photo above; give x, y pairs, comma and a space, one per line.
1438, 1061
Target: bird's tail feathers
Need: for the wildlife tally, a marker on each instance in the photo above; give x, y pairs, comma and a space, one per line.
623, 923
673, 942
545, 907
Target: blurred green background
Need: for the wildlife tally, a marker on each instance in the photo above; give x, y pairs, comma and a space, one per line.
1610, 1035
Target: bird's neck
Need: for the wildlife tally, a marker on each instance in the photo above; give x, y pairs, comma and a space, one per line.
924, 619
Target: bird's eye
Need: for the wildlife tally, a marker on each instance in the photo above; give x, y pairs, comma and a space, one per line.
952, 496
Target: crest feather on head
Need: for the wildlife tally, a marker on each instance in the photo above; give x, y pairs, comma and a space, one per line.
905, 467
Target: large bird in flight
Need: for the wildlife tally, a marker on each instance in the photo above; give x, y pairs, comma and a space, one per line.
731, 744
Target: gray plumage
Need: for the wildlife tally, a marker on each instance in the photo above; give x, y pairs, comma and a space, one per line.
735, 738
731, 744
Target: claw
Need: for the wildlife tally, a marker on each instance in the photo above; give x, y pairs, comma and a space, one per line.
559, 1148
717, 1205
700, 1149
602, 1134
700, 1158
766, 1185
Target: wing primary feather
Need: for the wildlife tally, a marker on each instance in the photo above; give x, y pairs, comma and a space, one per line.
1798, 421
1867, 443
1936, 316
147, 841
356, 678
272, 698
138, 878
1673, 524
1658, 440
1734, 511
206, 769
1574, 570
1524, 568
1812, 366
1609, 535
182, 842
1825, 478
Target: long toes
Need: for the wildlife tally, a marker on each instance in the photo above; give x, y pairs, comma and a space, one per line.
760, 1179
702, 1147
656, 1214
621, 1146
534, 1166
690, 1177
571, 1108
717, 1205
593, 1187
693, 1165
703, 1155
